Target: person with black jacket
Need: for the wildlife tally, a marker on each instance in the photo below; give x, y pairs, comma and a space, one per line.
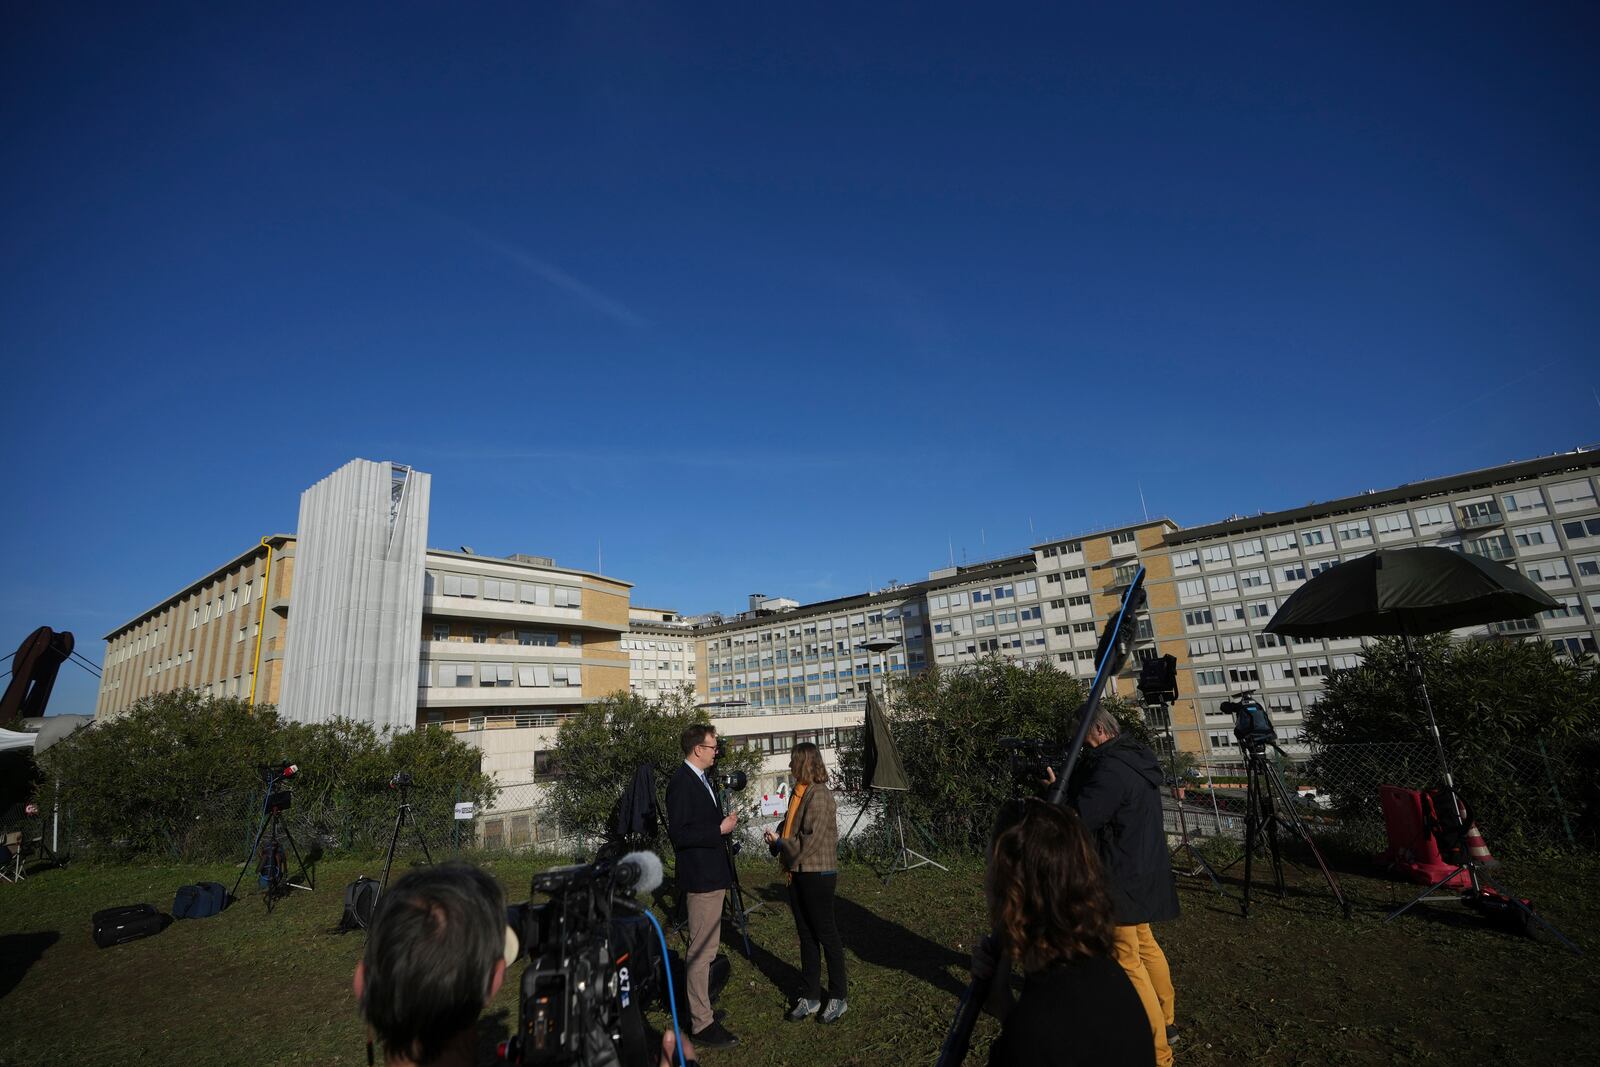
1118, 797
1051, 919
697, 827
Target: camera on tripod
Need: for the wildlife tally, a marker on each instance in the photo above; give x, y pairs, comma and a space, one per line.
733, 781
589, 975
1252, 726
401, 780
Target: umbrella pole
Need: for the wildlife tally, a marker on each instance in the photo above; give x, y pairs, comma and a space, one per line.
1414, 665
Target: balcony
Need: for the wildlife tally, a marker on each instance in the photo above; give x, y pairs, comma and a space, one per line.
1477, 520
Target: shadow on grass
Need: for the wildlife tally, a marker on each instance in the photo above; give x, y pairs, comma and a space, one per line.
18, 952
880, 942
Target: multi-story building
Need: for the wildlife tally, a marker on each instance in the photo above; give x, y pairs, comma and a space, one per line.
661, 653
1228, 578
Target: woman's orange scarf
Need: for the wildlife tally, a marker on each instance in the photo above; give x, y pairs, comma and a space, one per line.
794, 809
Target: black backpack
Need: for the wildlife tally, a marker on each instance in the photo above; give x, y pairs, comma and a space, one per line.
360, 901
272, 868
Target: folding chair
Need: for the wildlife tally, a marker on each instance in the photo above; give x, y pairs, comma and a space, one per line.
11, 856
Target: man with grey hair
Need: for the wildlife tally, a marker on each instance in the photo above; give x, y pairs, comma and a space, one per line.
436, 955
1118, 797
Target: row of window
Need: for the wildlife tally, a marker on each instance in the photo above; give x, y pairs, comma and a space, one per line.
1526, 503
853, 622
959, 599
498, 675
535, 594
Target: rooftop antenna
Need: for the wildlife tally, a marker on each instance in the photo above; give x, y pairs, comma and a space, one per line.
599, 558
1031, 535
1141, 502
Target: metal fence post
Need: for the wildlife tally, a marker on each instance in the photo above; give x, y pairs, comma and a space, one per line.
1561, 807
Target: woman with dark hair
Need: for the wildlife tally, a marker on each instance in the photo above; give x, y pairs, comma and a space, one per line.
807, 844
1052, 919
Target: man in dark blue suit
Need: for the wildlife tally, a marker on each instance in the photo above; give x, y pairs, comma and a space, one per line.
697, 828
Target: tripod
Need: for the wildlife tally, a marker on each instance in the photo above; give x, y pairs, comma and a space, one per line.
734, 901
1269, 807
401, 817
273, 805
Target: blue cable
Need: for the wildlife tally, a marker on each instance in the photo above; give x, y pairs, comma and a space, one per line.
672, 999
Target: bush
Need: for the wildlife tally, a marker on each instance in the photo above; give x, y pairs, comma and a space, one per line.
948, 725
177, 776
598, 750
1496, 703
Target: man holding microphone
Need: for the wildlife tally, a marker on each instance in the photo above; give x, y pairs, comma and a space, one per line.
697, 828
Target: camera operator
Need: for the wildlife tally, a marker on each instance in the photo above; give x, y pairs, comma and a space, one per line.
697, 827
1118, 797
436, 955
1051, 917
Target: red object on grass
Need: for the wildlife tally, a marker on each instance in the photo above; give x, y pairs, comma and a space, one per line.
1412, 850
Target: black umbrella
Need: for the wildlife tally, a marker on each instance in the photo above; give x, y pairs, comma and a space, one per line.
881, 767
1406, 592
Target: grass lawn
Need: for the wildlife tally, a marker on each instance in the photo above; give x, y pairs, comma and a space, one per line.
1295, 984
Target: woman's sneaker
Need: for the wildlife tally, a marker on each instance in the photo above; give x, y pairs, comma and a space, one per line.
836, 1007
803, 1009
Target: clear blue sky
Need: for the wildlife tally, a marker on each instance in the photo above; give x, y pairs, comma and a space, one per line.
770, 297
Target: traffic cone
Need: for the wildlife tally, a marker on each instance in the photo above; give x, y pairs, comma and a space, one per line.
1478, 849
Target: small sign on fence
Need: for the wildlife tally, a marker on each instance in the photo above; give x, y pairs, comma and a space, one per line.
465, 810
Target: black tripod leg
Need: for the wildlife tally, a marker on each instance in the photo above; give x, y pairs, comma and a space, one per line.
394, 839
1252, 821
736, 900
311, 882
422, 839
1424, 895
254, 845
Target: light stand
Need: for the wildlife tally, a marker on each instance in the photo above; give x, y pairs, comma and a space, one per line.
1197, 862
905, 855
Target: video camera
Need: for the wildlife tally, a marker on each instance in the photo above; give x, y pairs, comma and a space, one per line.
1251, 723
590, 972
1030, 762
401, 780
734, 780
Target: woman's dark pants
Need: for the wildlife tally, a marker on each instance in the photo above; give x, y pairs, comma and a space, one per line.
811, 900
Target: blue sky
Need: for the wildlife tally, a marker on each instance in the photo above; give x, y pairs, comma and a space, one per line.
786, 298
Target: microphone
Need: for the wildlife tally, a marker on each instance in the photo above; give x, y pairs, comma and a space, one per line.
291, 770
639, 872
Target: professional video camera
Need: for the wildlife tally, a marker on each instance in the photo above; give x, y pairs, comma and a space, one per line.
593, 965
732, 781
1030, 762
1251, 723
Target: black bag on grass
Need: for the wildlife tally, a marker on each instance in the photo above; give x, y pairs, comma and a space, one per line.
199, 901
116, 926
360, 901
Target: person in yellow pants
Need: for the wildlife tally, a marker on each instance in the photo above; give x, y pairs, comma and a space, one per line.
1119, 800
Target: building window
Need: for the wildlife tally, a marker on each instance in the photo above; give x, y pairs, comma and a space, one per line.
1124, 538
441, 631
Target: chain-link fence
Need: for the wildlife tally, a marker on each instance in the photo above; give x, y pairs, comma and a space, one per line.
1539, 795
